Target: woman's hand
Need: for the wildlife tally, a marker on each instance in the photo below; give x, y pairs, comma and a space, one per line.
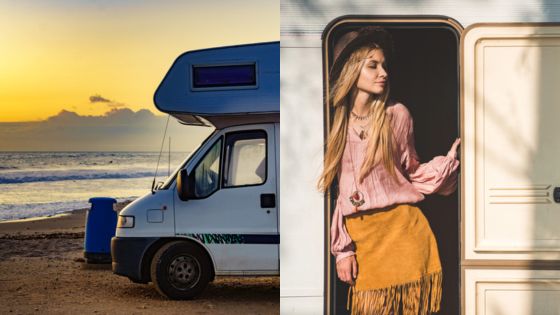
453, 151
347, 269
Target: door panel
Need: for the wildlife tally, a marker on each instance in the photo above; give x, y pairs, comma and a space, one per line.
512, 292
240, 234
510, 114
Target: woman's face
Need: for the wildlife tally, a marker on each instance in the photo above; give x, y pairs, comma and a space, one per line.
373, 75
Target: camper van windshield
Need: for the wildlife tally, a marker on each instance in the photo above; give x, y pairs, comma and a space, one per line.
173, 175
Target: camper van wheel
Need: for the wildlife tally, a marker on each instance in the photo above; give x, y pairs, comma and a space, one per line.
180, 270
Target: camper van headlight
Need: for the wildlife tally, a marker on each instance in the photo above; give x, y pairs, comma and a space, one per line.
125, 221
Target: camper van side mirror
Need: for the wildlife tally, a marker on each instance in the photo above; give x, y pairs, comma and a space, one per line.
185, 186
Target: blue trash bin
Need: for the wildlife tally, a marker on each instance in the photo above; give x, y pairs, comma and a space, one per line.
101, 222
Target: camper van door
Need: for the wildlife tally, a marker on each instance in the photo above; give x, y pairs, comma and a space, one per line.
510, 118
235, 214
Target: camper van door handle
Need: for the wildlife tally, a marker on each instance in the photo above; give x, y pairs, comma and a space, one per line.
268, 201
556, 194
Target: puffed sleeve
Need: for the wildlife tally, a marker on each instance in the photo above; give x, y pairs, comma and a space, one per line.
436, 176
342, 245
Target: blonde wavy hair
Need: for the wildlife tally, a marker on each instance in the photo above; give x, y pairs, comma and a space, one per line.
380, 144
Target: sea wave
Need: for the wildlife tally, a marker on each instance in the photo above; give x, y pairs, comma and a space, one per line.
20, 177
32, 210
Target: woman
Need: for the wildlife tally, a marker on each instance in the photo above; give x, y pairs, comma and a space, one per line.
384, 246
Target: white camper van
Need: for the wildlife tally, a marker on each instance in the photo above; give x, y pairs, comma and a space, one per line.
488, 72
218, 213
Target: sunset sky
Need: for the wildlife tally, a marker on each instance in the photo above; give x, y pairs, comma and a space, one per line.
90, 57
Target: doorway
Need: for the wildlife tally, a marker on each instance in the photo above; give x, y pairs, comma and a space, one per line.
424, 75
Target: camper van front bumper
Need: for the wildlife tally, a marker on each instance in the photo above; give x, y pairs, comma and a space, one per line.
127, 254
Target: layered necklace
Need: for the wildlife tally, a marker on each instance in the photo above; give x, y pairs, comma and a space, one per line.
357, 197
362, 132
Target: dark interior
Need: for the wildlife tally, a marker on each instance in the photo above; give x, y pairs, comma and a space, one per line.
424, 75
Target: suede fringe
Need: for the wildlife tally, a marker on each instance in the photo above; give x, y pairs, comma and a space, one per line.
414, 296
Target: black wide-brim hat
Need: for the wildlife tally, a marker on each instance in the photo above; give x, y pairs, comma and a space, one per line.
357, 38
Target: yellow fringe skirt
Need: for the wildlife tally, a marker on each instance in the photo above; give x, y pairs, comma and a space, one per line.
399, 270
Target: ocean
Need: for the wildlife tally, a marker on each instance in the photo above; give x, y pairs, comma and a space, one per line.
34, 184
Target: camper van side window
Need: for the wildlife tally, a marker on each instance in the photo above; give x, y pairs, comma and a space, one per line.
207, 173
246, 159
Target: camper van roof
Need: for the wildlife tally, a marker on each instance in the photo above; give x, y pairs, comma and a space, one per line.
223, 86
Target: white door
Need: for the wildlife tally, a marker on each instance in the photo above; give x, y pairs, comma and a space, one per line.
510, 114
235, 213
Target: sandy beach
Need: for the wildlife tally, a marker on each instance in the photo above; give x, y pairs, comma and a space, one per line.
42, 271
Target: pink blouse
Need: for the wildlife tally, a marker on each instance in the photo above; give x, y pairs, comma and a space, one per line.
379, 188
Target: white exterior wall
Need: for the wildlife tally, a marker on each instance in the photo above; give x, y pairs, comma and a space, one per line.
302, 217
301, 153
300, 16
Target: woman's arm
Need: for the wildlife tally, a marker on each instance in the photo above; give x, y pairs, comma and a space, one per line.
436, 176
342, 245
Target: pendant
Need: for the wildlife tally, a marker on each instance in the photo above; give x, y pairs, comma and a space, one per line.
357, 198
362, 135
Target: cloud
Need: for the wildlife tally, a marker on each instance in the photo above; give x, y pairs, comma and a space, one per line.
116, 105
98, 98
119, 129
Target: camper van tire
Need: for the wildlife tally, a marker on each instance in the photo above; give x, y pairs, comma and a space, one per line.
180, 270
